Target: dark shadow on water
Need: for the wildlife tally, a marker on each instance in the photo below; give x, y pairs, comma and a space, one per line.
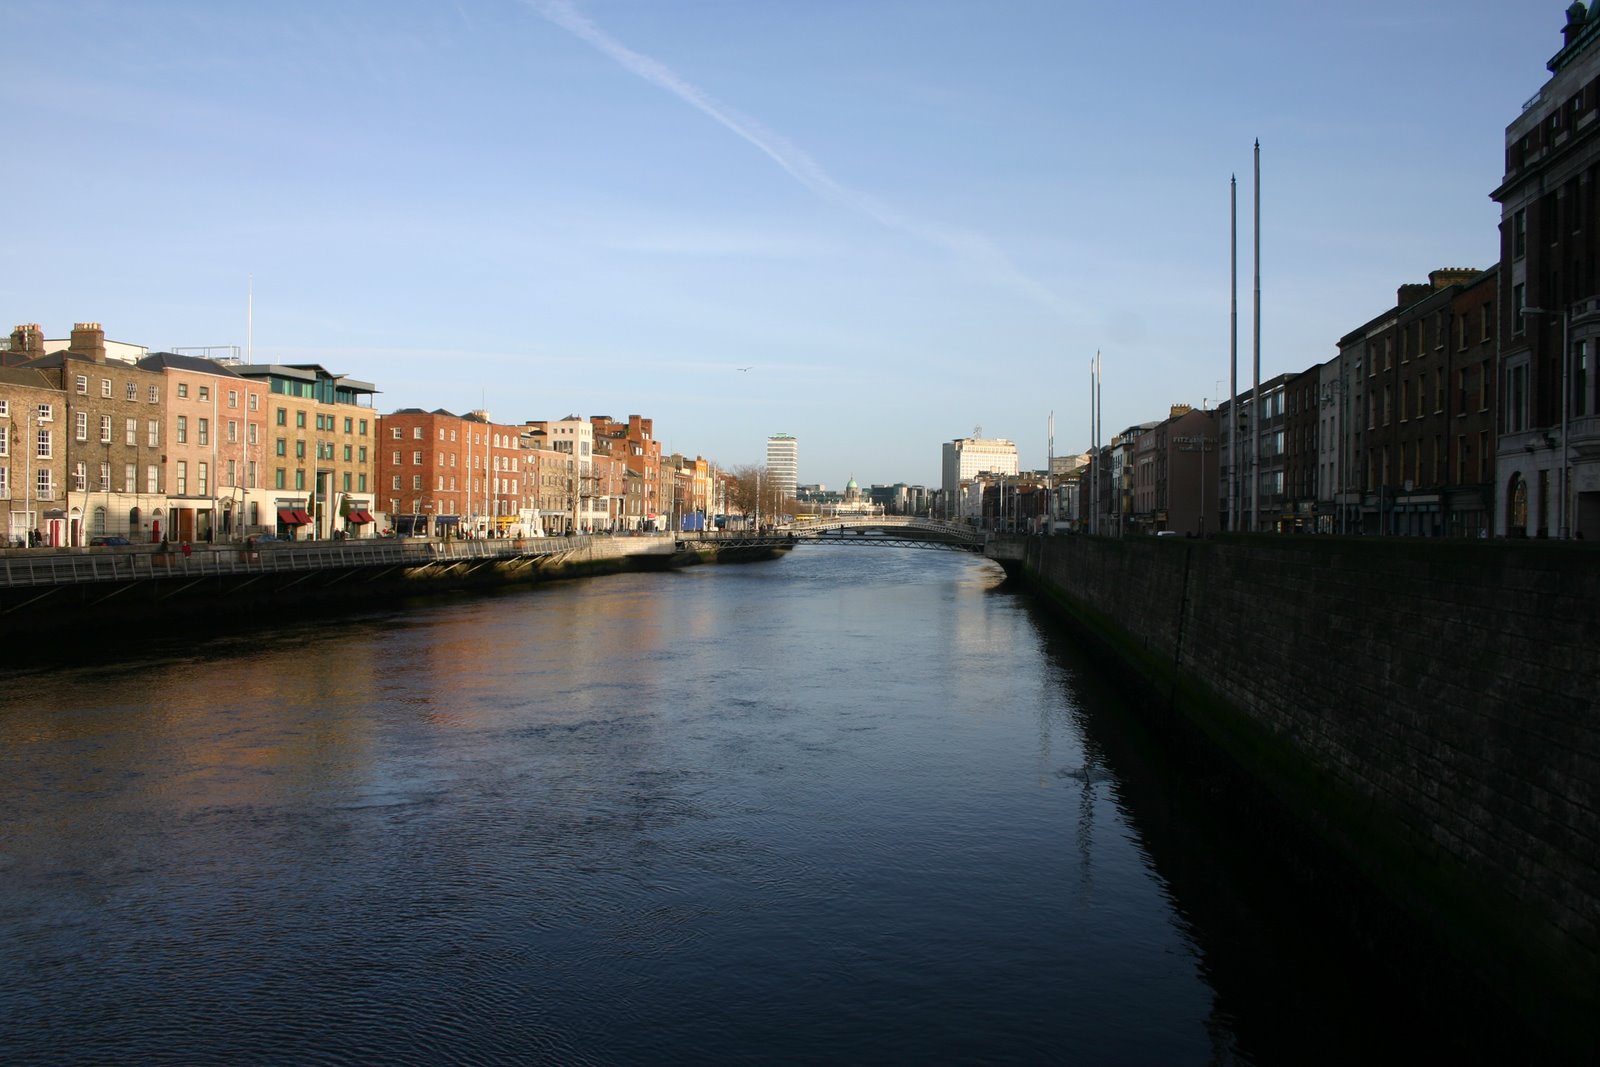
1306, 965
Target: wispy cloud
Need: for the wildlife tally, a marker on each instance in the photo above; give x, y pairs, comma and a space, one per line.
795, 161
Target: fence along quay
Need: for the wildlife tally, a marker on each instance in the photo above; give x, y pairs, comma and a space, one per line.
46, 589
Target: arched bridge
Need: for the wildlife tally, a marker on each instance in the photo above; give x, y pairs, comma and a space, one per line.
883, 531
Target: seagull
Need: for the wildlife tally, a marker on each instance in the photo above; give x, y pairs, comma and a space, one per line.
742, 368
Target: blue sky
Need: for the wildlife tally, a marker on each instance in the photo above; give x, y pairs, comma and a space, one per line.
908, 218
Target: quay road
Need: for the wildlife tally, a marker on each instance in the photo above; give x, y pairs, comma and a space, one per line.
44, 588
45, 568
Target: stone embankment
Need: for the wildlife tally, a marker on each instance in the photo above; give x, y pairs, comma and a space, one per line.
1429, 711
98, 589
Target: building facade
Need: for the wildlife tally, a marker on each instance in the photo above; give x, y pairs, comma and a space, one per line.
783, 464
1547, 459
319, 469
965, 458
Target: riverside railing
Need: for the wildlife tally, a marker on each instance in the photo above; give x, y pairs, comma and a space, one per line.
43, 567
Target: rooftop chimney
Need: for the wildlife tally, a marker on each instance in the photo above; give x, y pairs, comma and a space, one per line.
88, 339
27, 341
1577, 18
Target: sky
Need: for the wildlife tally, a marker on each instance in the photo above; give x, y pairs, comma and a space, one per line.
877, 225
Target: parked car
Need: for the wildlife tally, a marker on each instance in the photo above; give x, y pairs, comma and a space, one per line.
109, 539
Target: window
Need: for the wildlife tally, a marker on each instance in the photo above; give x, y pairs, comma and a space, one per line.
231, 473
152, 479
300, 420
5, 441
183, 394
281, 447
395, 430
130, 478
80, 425
105, 429
131, 391
152, 432
279, 480
300, 479
346, 484
283, 416
82, 382
154, 394
396, 482
5, 409
1518, 302
363, 430
348, 424
183, 430
44, 486
251, 433
205, 478
416, 433
362, 454
255, 402
205, 431
46, 413
299, 450
347, 451
43, 445
233, 398
252, 474
416, 481
1580, 379
5, 483
105, 388
205, 392
1516, 400
416, 458
361, 483
183, 478
233, 431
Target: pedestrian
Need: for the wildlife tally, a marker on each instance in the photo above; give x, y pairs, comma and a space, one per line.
187, 549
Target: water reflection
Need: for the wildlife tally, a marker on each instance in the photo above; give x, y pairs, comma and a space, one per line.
856, 805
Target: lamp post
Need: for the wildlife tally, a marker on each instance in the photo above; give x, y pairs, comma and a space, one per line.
1566, 360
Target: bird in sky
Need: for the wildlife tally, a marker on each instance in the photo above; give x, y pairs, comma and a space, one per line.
743, 368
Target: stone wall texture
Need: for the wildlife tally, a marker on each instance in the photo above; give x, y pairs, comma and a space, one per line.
1431, 709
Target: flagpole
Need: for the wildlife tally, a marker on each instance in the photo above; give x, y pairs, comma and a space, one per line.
1233, 355
1255, 408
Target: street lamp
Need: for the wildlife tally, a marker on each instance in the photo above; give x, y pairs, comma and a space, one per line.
1566, 360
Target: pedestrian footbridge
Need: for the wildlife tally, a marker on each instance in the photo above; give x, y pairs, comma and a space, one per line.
882, 531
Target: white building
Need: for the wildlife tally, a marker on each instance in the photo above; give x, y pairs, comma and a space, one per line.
965, 457
783, 464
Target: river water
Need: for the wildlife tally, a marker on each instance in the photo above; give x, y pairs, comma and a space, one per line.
852, 806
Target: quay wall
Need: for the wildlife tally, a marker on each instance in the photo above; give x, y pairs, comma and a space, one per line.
1429, 710
103, 590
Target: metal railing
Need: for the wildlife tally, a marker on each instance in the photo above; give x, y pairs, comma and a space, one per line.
55, 566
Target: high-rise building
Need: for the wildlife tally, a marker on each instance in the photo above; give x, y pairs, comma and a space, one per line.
783, 463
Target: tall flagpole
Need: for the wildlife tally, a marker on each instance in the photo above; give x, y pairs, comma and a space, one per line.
1255, 408
1233, 355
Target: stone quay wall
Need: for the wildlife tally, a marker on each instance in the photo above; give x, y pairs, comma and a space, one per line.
1430, 710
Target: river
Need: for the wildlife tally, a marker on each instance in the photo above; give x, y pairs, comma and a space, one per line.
857, 805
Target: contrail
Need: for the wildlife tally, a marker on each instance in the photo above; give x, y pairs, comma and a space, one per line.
794, 160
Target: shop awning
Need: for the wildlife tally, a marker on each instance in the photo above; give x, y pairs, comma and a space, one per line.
293, 517
359, 517
448, 520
